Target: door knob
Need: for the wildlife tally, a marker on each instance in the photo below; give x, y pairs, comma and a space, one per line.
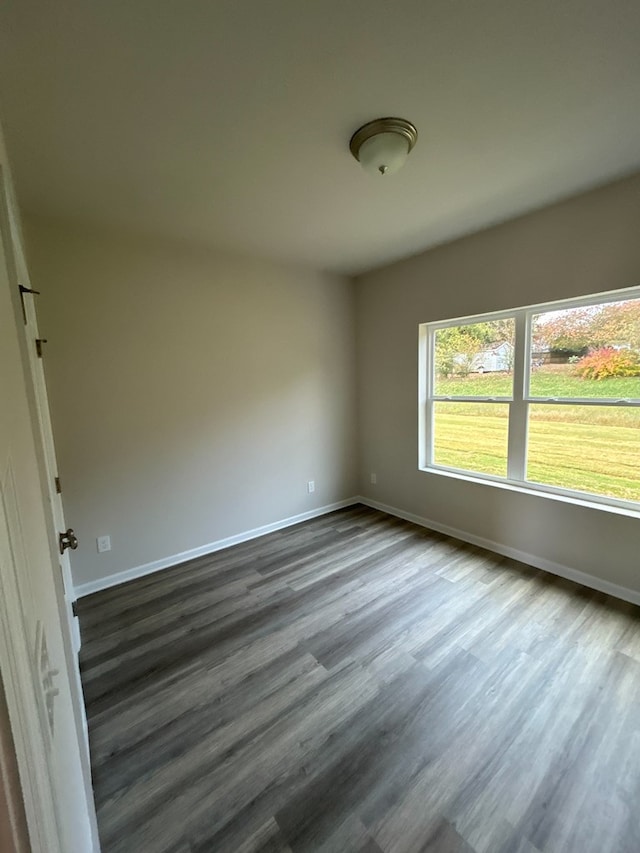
68, 540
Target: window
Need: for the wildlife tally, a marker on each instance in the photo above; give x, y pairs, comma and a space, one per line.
545, 397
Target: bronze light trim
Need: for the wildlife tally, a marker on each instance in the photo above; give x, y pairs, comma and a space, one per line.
383, 125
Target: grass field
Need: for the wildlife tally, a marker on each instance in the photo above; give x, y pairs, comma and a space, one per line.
576, 447
550, 381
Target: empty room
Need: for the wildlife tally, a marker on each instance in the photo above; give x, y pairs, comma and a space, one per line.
320, 426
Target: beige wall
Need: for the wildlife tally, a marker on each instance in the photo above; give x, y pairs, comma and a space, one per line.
585, 245
193, 394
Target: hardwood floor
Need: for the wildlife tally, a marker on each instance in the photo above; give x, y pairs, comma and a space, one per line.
358, 684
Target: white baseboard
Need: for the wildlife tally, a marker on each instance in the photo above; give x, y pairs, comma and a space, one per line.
599, 584
166, 562
567, 572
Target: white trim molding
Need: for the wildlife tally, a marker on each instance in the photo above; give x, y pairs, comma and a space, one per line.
175, 559
584, 579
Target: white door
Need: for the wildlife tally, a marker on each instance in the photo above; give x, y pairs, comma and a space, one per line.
36, 348
37, 659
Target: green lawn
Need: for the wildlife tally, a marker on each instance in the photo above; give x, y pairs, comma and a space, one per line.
546, 382
576, 447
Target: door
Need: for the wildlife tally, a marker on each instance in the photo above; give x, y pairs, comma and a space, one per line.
36, 352
37, 660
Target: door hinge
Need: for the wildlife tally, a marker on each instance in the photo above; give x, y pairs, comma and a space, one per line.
24, 290
74, 608
39, 342
58, 486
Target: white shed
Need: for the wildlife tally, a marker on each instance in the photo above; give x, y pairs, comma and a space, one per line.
494, 358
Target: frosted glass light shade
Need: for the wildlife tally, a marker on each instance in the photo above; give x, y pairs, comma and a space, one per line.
381, 146
384, 153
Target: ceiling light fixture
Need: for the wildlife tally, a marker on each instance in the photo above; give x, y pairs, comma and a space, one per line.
381, 146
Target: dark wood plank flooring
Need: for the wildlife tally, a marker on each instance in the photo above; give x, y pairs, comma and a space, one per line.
357, 684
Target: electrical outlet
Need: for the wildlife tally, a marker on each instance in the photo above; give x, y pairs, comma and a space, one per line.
374, 478
311, 486
104, 544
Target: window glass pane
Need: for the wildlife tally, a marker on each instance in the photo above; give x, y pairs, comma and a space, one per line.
471, 436
588, 352
589, 448
475, 359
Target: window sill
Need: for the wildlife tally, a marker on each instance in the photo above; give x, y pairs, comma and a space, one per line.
511, 486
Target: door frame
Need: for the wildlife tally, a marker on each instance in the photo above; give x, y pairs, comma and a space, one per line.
13, 820
32, 334
49, 466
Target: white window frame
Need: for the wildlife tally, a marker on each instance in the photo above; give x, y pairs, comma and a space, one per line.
518, 403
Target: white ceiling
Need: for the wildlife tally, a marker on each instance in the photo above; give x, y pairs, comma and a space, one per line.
228, 121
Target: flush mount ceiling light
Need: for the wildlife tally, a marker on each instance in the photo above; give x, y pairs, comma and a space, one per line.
382, 146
